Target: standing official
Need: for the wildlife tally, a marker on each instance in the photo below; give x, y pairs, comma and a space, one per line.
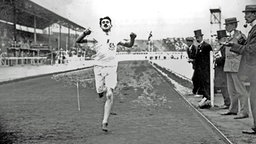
191, 52
236, 88
248, 62
220, 80
202, 68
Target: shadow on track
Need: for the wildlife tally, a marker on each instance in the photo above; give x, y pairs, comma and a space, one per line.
6, 137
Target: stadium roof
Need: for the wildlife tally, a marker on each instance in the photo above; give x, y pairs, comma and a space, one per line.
27, 11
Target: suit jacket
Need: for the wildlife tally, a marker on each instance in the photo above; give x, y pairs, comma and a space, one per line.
202, 61
220, 76
191, 51
248, 52
232, 62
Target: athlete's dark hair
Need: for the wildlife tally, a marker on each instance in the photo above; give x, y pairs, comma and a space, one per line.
106, 17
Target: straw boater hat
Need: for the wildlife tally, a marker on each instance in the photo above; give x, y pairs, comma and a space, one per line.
250, 8
230, 21
221, 34
198, 33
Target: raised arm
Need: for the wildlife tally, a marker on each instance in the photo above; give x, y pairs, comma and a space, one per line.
81, 39
129, 43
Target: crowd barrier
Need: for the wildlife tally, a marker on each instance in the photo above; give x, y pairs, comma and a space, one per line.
11, 61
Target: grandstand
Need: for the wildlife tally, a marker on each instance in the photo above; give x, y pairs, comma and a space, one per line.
26, 32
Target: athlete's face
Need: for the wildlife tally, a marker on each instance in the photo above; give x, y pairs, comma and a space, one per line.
105, 25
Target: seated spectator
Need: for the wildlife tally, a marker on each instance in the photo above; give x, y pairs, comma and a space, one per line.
25, 45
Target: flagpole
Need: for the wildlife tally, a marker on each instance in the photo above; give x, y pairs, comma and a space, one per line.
212, 78
149, 44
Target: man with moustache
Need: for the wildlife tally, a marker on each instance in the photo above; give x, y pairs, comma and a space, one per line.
236, 89
248, 62
105, 67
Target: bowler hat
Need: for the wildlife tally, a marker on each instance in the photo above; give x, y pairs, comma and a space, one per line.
230, 20
221, 34
198, 33
250, 8
189, 39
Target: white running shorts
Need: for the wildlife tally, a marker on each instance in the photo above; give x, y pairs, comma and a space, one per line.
105, 77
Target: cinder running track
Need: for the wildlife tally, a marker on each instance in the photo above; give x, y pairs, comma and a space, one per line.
149, 111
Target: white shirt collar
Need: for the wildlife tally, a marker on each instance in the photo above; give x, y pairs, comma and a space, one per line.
190, 47
253, 23
232, 32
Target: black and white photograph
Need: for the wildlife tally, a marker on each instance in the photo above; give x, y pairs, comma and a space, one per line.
127, 71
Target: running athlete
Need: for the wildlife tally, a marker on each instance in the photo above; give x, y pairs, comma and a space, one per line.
105, 68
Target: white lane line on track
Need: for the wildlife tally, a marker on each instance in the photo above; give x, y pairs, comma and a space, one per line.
201, 114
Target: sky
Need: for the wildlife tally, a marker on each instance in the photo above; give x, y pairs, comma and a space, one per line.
165, 18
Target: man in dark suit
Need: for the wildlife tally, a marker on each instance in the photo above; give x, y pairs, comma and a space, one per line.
248, 61
191, 52
202, 68
220, 80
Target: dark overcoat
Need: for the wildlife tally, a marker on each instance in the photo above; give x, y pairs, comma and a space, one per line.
191, 51
220, 76
202, 69
247, 67
202, 61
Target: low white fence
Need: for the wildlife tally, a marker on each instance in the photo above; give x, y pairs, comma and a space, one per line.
10, 61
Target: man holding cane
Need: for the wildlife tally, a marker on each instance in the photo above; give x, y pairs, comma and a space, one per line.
105, 68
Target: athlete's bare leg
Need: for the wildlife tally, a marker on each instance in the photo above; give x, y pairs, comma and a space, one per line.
107, 108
